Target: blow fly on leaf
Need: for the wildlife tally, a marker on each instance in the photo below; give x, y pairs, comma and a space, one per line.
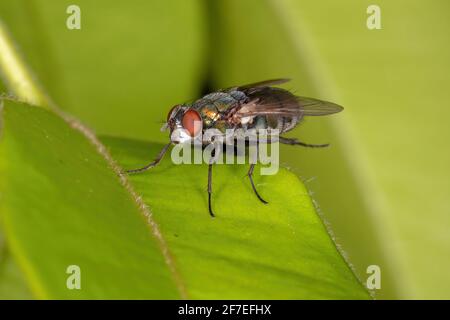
253, 106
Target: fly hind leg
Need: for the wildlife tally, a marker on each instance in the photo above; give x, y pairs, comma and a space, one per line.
210, 189
151, 164
250, 176
294, 141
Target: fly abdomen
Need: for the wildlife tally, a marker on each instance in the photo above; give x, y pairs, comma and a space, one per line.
286, 124
283, 124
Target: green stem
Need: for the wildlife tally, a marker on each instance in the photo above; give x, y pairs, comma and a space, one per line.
17, 77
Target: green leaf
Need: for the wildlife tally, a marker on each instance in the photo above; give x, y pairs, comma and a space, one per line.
125, 64
250, 250
12, 281
62, 204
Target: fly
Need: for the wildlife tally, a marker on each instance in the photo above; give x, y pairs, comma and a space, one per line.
253, 106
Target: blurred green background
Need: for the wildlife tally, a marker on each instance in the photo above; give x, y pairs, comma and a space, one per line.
383, 185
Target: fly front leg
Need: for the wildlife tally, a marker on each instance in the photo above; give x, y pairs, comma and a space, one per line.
153, 163
250, 176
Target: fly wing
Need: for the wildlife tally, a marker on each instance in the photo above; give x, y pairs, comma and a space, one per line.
269, 101
256, 85
280, 102
316, 107
265, 83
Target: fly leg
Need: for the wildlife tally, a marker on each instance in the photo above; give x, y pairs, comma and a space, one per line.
294, 141
210, 189
250, 176
153, 163
210, 165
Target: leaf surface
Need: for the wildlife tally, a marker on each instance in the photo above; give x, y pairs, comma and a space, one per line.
64, 205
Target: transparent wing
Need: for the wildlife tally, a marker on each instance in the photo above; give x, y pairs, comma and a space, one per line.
256, 85
280, 102
265, 83
315, 107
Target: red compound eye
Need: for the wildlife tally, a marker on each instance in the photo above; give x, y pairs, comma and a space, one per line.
192, 122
